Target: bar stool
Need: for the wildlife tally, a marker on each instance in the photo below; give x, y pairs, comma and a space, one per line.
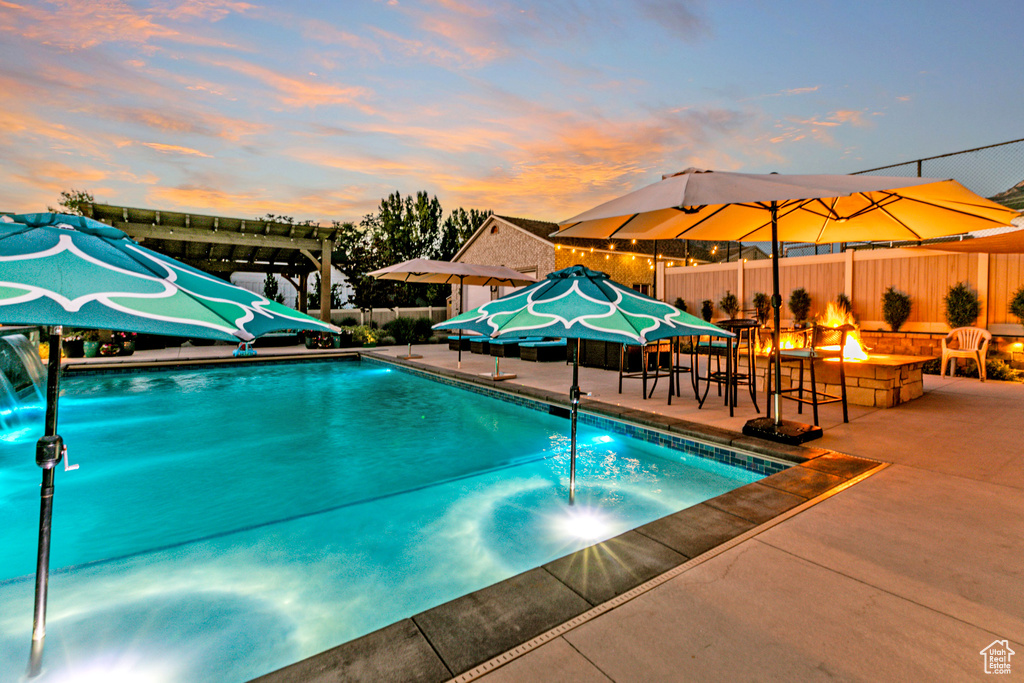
825, 342
743, 344
674, 388
643, 374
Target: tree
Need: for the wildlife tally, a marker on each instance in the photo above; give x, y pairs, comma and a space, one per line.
72, 202
270, 289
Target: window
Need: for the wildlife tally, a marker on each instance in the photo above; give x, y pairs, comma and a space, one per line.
643, 289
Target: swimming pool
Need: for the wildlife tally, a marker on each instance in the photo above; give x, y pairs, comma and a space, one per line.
227, 522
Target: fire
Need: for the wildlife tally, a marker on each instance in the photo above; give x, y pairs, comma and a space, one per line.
834, 316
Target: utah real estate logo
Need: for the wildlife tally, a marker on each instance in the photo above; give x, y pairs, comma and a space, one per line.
997, 657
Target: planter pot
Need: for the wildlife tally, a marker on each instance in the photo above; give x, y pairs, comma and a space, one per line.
90, 348
73, 348
310, 343
335, 341
370, 346
128, 348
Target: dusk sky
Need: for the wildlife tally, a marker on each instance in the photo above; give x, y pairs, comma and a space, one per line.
317, 110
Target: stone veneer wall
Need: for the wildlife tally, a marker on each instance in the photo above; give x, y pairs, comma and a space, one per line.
1010, 349
622, 268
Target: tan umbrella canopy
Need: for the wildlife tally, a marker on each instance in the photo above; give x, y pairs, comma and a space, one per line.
714, 205
426, 271
1011, 242
452, 273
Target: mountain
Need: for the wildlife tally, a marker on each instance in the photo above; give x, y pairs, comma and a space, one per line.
1013, 198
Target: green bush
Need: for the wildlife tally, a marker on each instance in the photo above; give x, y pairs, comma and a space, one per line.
846, 305
362, 335
962, 307
349, 322
895, 308
994, 369
707, 309
800, 306
423, 328
730, 304
402, 329
387, 341
1017, 304
763, 306
681, 304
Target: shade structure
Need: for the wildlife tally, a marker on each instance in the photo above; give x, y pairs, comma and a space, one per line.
427, 271
1011, 242
712, 205
579, 303
58, 270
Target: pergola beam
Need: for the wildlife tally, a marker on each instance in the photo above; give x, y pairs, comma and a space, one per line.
238, 239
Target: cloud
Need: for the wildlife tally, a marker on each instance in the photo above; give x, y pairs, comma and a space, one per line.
174, 149
300, 92
819, 129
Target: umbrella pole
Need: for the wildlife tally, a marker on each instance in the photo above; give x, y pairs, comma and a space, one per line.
462, 295
574, 400
49, 452
776, 305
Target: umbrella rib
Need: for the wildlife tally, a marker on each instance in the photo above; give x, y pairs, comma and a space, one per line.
959, 211
708, 217
623, 225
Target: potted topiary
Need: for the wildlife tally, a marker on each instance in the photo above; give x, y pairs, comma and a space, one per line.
895, 308
707, 309
762, 307
681, 304
1017, 304
90, 343
800, 306
962, 306
845, 305
730, 304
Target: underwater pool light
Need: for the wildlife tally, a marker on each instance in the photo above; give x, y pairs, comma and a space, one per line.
586, 524
603, 439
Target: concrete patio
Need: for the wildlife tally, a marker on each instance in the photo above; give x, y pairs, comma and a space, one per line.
907, 574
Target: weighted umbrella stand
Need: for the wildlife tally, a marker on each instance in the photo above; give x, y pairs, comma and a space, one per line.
49, 453
574, 401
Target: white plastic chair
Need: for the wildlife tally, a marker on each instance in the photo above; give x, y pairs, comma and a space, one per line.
972, 342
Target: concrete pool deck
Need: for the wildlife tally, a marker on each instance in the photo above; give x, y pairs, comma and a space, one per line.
909, 573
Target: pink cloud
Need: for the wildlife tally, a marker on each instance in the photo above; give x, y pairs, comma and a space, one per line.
174, 149
300, 92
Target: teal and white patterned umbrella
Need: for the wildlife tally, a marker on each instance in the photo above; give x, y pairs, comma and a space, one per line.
579, 303
70, 270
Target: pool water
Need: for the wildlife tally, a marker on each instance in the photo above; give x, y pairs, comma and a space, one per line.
225, 523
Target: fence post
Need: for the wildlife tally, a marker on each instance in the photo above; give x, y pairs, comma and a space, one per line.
739, 282
983, 261
848, 272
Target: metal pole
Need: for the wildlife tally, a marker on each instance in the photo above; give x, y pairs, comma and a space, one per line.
574, 399
654, 280
777, 305
49, 452
462, 297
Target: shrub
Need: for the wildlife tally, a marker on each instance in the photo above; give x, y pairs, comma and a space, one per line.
994, 369
763, 306
1017, 304
681, 304
707, 309
362, 334
402, 329
800, 306
962, 307
387, 341
895, 308
846, 305
423, 328
730, 304
349, 322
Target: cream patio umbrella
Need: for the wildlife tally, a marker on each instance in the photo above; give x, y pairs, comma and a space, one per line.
426, 271
712, 205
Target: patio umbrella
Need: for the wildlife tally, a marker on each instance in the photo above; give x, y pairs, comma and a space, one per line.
427, 271
706, 205
58, 270
579, 303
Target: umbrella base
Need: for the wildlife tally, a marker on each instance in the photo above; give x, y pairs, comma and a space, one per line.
786, 431
411, 356
497, 377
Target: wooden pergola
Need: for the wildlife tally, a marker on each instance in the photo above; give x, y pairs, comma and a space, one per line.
222, 245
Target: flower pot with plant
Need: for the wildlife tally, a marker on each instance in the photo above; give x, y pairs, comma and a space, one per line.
90, 343
962, 306
707, 309
1017, 304
730, 304
681, 304
800, 306
762, 307
73, 346
895, 308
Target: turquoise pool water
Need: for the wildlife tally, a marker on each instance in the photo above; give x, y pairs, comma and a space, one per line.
225, 523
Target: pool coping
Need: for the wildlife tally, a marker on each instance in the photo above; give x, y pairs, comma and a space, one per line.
478, 632
71, 368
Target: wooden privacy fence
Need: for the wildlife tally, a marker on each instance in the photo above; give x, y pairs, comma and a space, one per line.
380, 316
926, 275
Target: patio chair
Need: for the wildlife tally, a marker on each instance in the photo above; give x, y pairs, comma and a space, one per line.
971, 342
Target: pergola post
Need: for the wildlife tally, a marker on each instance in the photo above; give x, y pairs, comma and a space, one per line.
325, 280
303, 302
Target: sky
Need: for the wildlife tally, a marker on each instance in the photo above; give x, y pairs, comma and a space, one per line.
317, 110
